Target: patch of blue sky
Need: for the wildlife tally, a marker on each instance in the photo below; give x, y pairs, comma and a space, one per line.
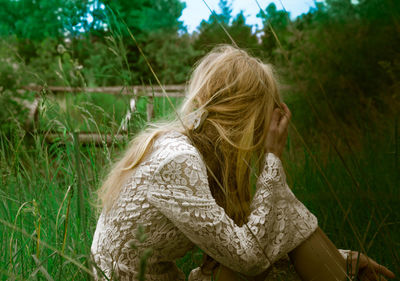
196, 10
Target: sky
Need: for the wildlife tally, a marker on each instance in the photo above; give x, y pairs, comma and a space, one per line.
196, 10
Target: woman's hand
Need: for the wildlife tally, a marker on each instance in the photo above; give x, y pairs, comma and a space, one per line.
317, 258
368, 269
278, 130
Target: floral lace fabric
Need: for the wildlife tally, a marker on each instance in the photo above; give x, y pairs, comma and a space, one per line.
168, 195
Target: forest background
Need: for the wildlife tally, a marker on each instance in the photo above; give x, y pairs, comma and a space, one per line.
338, 65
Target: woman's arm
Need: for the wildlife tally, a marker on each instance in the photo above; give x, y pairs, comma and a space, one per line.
318, 259
277, 224
315, 259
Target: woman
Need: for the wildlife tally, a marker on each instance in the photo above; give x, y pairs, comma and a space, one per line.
189, 182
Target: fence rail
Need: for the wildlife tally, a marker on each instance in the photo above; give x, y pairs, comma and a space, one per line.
86, 138
140, 91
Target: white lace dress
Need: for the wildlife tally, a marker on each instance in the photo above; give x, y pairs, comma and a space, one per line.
168, 195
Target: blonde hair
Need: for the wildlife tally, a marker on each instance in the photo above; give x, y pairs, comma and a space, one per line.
239, 93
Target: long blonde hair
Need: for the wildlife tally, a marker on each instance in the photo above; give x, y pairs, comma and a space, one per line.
239, 93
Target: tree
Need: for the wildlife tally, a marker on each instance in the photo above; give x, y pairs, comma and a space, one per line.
274, 21
32, 21
155, 26
346, 60
39, 19
211, 32
226, 12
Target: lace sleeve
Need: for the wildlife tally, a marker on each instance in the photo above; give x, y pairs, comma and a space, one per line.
278, 221
289, 221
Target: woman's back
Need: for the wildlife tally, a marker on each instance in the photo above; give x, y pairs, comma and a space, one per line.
116, 248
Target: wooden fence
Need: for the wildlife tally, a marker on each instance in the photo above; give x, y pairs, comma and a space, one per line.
134, 91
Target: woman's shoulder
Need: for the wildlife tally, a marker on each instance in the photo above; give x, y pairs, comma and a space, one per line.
173, 143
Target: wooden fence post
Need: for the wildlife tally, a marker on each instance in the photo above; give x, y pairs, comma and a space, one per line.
150, 108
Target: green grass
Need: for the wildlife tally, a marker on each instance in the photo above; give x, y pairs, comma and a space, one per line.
97, 112
47, 195
47, 200
365, 216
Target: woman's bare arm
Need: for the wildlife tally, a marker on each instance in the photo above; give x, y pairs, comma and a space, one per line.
317, 258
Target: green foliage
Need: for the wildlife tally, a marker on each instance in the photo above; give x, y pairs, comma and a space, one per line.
158, 37
13, 104
13, 113
136, 15
212, 33
106, 54
277, 22
102, 61
171, 57
54, 65
10, 66
362, 179
338, 57
40, 19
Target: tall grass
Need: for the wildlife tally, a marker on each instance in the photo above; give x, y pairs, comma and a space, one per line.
365, 182
47, 198
48, 208
48, 213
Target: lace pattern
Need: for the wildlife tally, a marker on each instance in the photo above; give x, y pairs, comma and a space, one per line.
168, 195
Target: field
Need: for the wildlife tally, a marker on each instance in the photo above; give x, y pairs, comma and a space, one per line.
48, 204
